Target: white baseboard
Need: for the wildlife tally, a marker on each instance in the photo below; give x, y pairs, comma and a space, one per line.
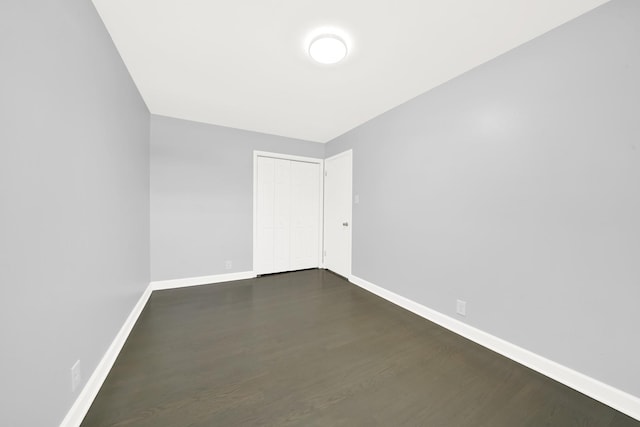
617, 399
84, 400
202, 280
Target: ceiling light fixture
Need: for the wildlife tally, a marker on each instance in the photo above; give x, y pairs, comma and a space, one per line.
328, 49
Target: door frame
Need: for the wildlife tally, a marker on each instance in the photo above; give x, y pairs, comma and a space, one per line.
320, 162
350, 250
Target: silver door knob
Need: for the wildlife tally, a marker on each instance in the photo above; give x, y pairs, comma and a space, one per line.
345, 224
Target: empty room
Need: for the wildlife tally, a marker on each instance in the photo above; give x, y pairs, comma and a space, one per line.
336, 213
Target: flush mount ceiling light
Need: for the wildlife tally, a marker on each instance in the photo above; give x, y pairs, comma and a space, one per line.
328, 49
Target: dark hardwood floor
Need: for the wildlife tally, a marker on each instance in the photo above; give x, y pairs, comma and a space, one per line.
310, 349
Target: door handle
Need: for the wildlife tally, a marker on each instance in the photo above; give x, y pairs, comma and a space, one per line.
345, 224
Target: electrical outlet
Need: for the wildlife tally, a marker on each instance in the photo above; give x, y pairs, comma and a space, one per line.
356, 199
461, 307
76, 376
228, 265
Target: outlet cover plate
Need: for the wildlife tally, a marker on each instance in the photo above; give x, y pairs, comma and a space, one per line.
461, 307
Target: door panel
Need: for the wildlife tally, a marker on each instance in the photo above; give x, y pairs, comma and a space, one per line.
282, 215
305, 215
265, 200
337, 213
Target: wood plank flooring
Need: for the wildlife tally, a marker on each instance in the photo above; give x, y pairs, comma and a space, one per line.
310, 349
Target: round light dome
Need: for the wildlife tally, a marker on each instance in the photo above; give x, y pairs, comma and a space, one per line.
328, 49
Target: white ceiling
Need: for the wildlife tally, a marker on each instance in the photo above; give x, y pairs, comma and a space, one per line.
244, 64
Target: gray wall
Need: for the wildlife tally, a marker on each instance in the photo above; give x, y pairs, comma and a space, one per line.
74, 202
516, 187
202, 195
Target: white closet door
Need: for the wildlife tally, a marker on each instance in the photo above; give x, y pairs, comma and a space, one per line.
282, 216
265, 200
305, 215
288, 215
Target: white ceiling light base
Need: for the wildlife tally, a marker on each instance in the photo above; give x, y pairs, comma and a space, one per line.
328, 49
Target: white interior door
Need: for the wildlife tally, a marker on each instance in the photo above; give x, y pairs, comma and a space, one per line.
287, 213
337, 213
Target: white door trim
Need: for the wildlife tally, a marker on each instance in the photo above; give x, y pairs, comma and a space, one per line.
256, 154
350, 251
344, 153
